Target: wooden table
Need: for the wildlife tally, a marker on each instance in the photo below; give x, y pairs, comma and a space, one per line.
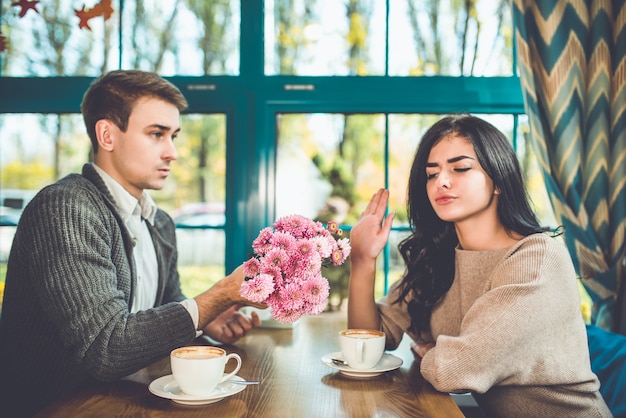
294, 383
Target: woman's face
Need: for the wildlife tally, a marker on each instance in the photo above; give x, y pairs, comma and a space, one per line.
458, 188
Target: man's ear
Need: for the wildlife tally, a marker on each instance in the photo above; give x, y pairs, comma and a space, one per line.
105, 134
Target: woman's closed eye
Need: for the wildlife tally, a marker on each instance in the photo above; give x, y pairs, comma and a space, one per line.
430, 176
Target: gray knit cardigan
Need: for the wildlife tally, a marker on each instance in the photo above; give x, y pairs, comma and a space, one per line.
66, 317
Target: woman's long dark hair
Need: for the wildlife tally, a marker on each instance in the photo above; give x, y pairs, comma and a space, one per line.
429, 251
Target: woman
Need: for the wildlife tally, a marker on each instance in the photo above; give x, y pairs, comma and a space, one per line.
488, 295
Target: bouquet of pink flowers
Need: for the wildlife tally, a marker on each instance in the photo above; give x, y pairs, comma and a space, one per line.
286, 270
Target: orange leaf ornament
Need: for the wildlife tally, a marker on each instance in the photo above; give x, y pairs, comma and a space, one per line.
103, 9
26, 5
3, 43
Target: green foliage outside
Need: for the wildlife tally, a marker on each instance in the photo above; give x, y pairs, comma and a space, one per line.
26, 176
196, 279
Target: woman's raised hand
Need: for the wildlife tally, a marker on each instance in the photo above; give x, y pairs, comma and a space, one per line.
370, 234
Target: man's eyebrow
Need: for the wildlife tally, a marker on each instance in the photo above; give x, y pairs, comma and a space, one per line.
162, 127
451, 160
159, 126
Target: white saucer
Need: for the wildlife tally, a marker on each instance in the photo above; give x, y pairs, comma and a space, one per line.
166, 387
387, 363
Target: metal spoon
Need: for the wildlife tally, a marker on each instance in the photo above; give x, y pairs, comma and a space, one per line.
242, 382
339, 362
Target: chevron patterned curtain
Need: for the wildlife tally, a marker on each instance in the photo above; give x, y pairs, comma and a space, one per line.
572, 63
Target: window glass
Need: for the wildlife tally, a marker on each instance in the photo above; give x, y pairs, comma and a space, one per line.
191, 37
199, 173
324, 37
37, 149
450, 38
328, 165
329, 37
194, 37
50, 42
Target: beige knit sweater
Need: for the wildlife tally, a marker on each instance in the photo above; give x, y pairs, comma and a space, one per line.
510, 331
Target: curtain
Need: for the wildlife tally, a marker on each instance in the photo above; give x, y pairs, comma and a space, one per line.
572, 66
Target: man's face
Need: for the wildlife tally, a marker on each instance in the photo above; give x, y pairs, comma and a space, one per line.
141, 157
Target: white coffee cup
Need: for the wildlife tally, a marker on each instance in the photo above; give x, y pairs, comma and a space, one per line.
199, 369
362, 348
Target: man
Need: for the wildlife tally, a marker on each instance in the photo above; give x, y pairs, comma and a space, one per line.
92, 288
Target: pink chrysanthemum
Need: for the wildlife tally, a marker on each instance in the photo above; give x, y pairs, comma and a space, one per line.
286, 269
273, 271
341, 253
251, 267
344, 244
323, 245
291, 296
285, 315
305, 247
315, 308
284, 241
263, 242
316, 290
276, 257
312, 265
333, 227
337, 257
258, 288
296, 225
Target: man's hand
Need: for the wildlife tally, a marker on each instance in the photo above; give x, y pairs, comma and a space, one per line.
221, 302
231, 325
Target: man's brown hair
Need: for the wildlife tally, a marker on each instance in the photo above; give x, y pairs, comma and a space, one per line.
114, 95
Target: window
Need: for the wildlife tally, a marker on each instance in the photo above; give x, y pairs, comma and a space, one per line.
173, 38
304, 106
336, 162
397, 38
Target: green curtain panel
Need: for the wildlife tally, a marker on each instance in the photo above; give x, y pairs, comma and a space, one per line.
572, 63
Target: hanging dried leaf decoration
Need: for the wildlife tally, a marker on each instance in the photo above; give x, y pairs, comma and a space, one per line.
3, 43
26, 5
104, 9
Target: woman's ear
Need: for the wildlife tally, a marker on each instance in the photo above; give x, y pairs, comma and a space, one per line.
104, 133
496, 191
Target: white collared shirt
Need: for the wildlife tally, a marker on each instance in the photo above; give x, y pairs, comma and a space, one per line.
135, 215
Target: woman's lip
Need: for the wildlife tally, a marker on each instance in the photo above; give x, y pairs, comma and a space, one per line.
443, 200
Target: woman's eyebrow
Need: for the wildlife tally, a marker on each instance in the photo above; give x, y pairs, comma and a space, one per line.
459, 158
451, 160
